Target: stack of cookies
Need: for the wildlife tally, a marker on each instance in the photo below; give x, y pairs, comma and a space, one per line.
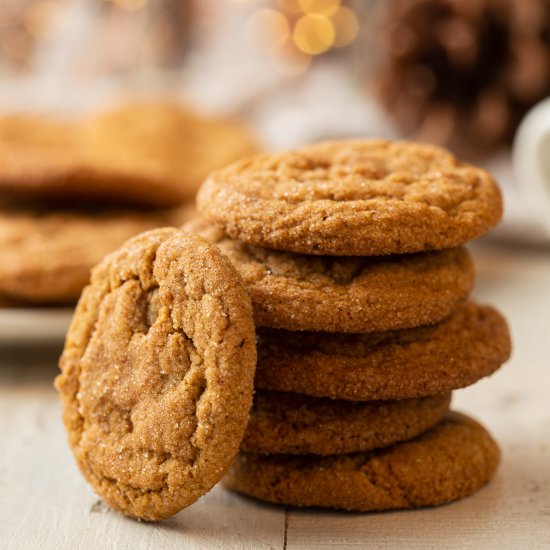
352, 253
71, 192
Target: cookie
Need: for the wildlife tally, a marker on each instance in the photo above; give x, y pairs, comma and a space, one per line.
451, 461
153, 154
428, 360
291, 423
165, 142
347, 294
42, 158
353, 198
157, 373
46, 256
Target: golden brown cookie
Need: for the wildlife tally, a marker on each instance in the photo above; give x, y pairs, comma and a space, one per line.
351, 294
157, 373
455, 353
46, 256
165, 142
451, 461
292, 423
154, 154
43, 158
353, 198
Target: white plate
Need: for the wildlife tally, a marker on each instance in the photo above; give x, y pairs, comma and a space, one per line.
34, 324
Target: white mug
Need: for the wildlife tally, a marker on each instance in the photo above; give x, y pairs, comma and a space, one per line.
531, 160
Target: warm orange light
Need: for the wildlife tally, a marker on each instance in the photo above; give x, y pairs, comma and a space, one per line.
346, 25
267, 29
314, 34
320, 7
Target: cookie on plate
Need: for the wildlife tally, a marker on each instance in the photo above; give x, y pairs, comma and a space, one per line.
451, 461
149, 153
468, 345
353, 198
164, 142
157, 373
46, 255
42, 158
291, 423
346, 294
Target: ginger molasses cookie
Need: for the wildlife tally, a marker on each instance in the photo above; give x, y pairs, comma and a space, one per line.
164, 142
347, 294
157, 372
353, 198
451, 461
470, 344
43, 158
46, 256
291, 423
152, 154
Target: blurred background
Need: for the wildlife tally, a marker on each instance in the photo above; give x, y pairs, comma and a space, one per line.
137, 92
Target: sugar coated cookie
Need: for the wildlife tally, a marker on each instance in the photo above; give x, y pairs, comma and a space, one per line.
353, 198
157, 373
351, 294
451, 461
470, 344
153, 153
292, 423
46, 255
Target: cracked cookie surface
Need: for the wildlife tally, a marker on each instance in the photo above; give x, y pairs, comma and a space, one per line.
458, 351
157, 373
451, 461
353, 198
346, 294
292, 423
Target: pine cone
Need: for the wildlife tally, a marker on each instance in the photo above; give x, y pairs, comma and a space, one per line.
463, 73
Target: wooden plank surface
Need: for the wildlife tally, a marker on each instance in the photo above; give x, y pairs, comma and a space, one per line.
44, 502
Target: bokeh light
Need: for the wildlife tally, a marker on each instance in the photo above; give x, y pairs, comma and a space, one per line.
289, 6
294, 31
346, 25
314, 34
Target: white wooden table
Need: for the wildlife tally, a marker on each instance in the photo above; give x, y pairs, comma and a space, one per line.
44, 502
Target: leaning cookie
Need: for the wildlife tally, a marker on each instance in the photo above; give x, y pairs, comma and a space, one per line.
470, 344
46, 256
291, 423
353, 198
157, 373
351, 294
451, 461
